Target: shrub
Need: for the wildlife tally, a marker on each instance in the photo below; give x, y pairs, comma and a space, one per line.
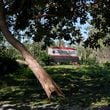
8, 65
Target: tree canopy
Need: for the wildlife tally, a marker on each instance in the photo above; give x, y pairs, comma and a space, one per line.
50, 18
100, 33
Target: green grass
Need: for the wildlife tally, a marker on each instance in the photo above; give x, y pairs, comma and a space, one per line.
82, 85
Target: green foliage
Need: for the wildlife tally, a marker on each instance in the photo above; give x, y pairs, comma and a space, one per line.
100, 13
8, 65
1, 38
85, 86
2, 52
8, 62
87, 56
46, 18
93, 56
9, 52
107, 64
41, 55
35, 49
44, 58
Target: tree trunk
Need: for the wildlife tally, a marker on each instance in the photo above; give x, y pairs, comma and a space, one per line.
47, 83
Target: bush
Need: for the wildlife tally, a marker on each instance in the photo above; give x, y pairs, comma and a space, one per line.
87, 55
9, 52
8, 65
45, 59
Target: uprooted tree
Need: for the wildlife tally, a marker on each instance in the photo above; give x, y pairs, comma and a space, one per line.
55, 13
47, 83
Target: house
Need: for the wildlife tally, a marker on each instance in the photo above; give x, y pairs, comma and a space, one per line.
63, 54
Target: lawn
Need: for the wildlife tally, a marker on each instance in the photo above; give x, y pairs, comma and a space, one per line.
83, 86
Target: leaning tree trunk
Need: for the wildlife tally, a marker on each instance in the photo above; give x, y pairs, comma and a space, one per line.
47, 83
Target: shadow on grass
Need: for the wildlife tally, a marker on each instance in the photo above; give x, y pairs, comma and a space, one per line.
83, 86
21, 89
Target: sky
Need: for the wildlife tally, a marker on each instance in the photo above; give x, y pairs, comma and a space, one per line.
85, 27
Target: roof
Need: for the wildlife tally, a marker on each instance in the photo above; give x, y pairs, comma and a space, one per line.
68, 48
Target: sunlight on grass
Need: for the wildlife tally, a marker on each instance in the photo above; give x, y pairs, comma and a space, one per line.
63, 66
102, 102
82, 85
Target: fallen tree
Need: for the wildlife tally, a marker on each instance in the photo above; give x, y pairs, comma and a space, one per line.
46, 81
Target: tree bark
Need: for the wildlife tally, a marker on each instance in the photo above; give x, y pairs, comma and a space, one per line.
46, 81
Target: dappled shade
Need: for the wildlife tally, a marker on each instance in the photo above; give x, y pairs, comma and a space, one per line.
83, 86
8, 65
